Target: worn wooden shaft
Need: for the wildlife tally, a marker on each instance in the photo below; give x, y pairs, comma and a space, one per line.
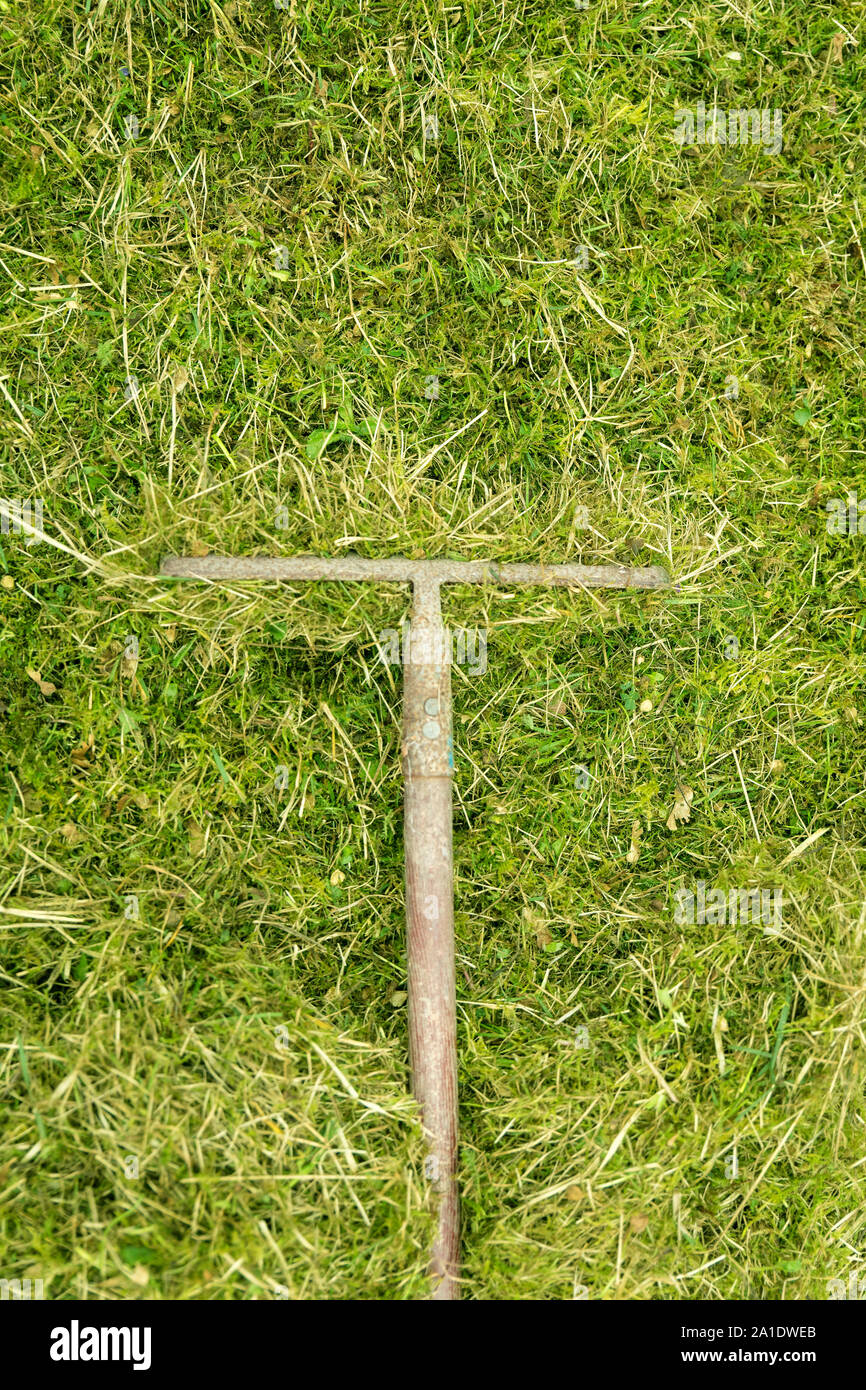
427, 770
396, 570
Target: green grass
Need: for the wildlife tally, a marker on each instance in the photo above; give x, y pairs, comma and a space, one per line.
204, 970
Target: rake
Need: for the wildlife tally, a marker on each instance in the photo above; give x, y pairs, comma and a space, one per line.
428, 763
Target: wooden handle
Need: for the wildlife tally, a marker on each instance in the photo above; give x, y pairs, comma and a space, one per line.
427, 770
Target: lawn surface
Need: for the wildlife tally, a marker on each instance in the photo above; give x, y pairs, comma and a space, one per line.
407, 279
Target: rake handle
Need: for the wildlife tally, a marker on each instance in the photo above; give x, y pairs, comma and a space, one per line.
427, 769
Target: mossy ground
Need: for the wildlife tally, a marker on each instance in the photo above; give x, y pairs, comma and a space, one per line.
325, 206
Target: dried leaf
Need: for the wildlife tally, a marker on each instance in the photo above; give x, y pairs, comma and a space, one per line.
536, 922
634, 848
83, 756
45, 686
575, 1194
639, 1222
682, 808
